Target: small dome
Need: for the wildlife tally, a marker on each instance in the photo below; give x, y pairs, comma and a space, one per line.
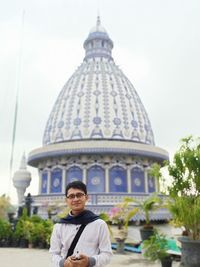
22, 177
98, 27
21, 180
98, 43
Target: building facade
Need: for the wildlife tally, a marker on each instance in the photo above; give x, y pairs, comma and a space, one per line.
98, 132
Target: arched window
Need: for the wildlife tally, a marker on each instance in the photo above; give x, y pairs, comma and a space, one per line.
137, 180
74, 174
96, 179
56, 181
44, 182
117, 179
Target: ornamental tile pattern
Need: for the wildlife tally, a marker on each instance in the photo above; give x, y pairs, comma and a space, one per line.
98, 101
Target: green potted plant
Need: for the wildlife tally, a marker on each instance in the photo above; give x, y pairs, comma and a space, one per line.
184, 201
48, 226
155, 248
5, 233
150, 204
24, 231
120, 215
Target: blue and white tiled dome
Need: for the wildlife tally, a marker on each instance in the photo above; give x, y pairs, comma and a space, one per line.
98, 101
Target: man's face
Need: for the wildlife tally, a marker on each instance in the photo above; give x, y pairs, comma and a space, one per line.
76, 200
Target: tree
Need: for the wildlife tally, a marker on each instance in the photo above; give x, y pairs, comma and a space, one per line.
184, 190
185, 169
5, 206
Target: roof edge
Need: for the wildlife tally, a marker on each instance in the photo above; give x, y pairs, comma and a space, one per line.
96, 147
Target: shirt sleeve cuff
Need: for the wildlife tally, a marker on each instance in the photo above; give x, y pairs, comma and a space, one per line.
92, 261
61, 263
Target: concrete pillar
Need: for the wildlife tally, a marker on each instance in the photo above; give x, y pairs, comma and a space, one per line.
146, 180
84, 174
129, 179
40, 181
64, 176
107, 178
49, 181
157, 186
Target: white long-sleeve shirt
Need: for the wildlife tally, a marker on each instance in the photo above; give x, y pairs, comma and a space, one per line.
93, 242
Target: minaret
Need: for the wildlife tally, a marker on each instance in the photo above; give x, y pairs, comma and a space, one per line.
21, 180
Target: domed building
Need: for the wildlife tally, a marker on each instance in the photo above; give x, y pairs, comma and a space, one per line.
98, 132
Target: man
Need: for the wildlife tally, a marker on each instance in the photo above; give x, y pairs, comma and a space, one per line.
93, 247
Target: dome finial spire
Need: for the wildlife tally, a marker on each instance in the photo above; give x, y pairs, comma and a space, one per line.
23, 162
98, 20
98, 43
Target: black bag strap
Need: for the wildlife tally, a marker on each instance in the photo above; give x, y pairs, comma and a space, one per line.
75, 240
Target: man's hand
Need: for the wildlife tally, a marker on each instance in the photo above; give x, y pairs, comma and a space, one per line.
68, 263
73, 262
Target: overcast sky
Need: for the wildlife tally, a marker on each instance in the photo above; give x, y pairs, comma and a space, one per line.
156, 44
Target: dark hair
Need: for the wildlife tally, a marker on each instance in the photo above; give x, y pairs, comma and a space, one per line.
78, 185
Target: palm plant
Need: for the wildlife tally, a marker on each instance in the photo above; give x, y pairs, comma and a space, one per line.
152, 203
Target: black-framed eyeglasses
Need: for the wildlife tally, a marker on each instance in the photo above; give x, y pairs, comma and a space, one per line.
77, 195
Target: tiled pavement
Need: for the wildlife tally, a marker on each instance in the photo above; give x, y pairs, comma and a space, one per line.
40, 258
18, 257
